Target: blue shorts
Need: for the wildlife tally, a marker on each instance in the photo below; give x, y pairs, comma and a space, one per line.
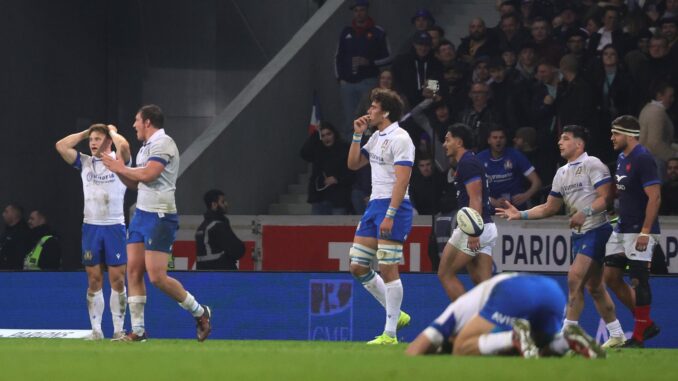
592, 243
538, 299
374, 215
103, 244
156, 230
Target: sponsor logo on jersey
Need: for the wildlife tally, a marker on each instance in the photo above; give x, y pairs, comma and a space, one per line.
503, 319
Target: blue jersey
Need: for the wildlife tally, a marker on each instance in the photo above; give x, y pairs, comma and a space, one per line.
470, 169
635, 172
506, 173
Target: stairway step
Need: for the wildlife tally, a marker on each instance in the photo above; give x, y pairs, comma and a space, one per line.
293, 198
290, 209
297, 188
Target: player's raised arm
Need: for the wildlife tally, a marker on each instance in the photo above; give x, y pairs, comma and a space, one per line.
121, 144
66, 146
355, 158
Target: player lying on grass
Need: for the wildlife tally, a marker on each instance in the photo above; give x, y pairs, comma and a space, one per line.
509, 313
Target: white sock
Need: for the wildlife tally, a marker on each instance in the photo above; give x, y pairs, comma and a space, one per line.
394, 299
136, 313
118, 304
191, 305
493, 343
615, 329
95, 307
569, 322
376, 287
559, 345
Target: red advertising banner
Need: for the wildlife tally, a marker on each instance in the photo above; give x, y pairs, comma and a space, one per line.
325, 248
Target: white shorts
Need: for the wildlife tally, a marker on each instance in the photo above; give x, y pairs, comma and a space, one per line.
625, 243
459, 240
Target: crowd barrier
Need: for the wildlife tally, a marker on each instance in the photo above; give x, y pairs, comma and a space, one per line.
321, 243
274, 306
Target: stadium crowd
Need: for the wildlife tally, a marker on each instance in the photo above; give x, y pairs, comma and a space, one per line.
545, 65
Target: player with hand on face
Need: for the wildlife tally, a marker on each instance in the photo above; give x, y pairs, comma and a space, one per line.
103, 228
388, 218
462, 250
584, 186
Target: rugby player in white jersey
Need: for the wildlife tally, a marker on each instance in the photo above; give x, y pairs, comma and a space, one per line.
103, 228
388, 218
505, 313
584, 184
152, 230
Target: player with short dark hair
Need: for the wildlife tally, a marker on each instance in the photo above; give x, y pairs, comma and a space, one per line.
153, 228
584, 186
637, 232
462, 250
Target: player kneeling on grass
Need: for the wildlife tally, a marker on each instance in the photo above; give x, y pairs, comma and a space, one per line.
509, 313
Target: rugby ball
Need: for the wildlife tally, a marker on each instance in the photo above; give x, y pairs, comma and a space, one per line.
470, 221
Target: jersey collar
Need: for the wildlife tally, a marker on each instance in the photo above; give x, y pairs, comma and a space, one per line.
156, 135
578, 160
389, 129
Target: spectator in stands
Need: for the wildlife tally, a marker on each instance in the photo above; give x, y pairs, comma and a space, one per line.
614, 97
546, 47
507, 169
412, 70
362, 50
455, 91
437, 34
592, 26
510, 59
446, 53
478, 43
15, 239
500, 88
522, 79
478, 116
543, 118
329, 187
610, 33
575, 97
669, 205
525, 141
569, 22
217, 246
656, 66
385, 82
46, 244
671, 10
480, 71
576, 45
668, 28
656, 128
422, 20
426, 185
511, 35
527, 12
440, 120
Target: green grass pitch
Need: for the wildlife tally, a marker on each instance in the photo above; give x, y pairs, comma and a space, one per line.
71, 360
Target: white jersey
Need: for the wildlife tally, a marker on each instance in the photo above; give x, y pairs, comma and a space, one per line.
157, 196
103, 191
385, 150
464, 308
576, 184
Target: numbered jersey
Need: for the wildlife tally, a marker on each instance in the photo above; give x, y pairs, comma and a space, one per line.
103, 191
385, 150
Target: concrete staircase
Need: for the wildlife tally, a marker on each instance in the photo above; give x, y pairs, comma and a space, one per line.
294, 201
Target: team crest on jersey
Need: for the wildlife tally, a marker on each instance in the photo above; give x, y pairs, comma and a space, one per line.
508, 165
578, 171
385, 144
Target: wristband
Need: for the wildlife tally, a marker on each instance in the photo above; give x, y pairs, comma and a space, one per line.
391, 212
643, 235
588, 211
357, 138
523, 215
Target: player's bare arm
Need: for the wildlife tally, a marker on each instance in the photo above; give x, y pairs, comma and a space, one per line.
66, 146
121, 144
535, 185
402, 174
654, 199
133, 176
547, 209
355, 159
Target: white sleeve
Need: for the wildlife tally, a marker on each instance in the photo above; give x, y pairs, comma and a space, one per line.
598, 172
403, 151
365, 150
556, 185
